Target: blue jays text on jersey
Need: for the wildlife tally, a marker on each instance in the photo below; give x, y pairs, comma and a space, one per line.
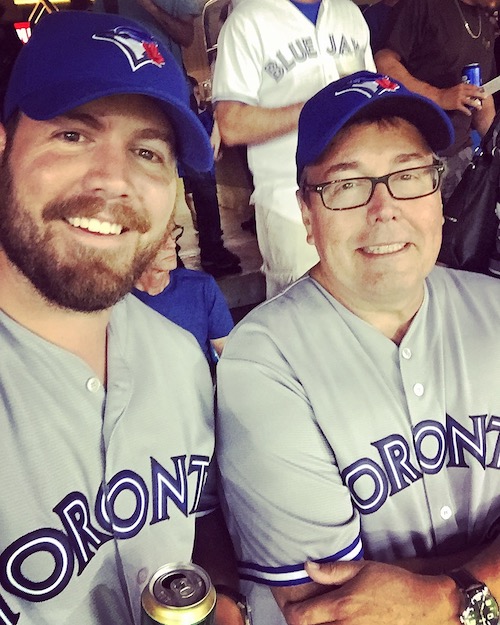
434, 445
302, 49
72, 547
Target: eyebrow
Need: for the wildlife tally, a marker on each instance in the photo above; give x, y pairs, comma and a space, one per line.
156, 134
350, 165
167, 135
84, 118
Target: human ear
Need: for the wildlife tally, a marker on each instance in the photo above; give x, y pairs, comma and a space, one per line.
3, 138
306, 215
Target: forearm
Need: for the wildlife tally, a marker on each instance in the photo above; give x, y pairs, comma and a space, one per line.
485, 566
369, 592
181, 30
243, 124
461, 97
389, 63
417, 588
438, 564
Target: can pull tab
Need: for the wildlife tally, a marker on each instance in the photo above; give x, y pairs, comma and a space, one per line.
183, 587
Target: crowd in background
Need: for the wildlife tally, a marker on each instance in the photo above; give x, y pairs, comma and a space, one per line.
357, 408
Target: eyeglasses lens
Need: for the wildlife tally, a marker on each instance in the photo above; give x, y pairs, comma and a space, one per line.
403, 185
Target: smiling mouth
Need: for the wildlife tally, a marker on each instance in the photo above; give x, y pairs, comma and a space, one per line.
379, 250
95, 225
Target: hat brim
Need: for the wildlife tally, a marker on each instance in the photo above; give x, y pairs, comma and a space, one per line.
433, 123
192, 142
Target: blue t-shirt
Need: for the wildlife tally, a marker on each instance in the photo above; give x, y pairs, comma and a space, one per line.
194, 301
308, 10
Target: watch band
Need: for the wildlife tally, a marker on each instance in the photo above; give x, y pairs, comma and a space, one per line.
480, 606
464, 580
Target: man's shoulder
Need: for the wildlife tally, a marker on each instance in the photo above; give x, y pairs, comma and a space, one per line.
343, 5
257, 10
141, 322
177, 9
277, 315
192, 276
425, 7
193, 282
466, 288
463, 279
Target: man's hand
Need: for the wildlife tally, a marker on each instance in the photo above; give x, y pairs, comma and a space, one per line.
457, 98
460, 97
371, 593
227, 612
216, 142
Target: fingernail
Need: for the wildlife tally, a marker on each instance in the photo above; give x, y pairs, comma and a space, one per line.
313, 565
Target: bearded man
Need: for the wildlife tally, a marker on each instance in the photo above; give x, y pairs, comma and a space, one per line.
105, 408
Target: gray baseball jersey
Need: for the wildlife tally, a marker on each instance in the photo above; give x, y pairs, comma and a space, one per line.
335, 442
98, 488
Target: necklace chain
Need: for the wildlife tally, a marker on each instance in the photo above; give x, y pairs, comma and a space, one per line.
466, 23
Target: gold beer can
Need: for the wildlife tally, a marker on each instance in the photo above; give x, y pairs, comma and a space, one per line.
178, 594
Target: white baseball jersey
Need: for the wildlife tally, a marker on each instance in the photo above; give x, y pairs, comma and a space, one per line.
336, 443
270, 55
73, 551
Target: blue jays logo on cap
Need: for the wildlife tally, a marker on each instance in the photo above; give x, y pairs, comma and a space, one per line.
369, 94
139, 47
370, 88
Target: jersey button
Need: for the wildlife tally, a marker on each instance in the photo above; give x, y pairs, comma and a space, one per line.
406, 353
445, 513
93, 385
418, 389
142, 576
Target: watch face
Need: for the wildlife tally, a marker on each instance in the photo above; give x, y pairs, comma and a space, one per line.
483, 609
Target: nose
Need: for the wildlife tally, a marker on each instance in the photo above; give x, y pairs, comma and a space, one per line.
382, 206
108, 174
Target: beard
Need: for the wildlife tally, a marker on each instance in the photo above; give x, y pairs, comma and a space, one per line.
76, 277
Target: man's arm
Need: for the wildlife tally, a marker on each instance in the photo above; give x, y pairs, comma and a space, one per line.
181, 30
411, 591
457, 98
371, 592
243, 124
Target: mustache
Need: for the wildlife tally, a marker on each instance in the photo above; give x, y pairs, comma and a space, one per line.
84, 206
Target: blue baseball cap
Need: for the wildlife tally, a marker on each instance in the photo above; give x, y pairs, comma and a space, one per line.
74, 57
327, 112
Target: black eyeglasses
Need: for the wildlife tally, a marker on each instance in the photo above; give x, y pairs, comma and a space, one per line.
177, 232
406, 184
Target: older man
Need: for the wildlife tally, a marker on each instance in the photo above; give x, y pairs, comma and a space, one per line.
105, 408
359, 408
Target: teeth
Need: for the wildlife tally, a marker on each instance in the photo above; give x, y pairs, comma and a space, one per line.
384, 249
94, 225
